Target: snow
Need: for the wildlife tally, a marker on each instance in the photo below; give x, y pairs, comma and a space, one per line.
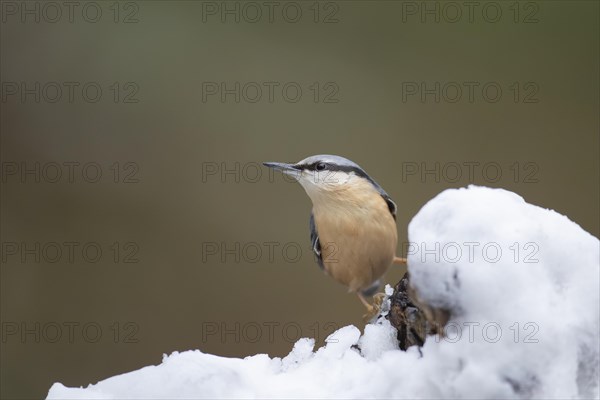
523, 287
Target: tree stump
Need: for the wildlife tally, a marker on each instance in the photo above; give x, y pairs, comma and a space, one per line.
414, 319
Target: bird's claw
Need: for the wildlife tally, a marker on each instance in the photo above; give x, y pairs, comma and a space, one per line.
373, 310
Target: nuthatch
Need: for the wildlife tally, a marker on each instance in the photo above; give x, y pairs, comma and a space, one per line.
352, 223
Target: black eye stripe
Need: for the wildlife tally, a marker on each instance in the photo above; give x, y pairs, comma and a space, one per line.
313, 166
334, 168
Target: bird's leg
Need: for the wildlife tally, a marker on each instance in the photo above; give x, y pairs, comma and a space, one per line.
365, 302
375, 308
372, 309
399, 260
378, 300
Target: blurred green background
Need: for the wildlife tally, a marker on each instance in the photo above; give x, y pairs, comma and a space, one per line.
179, 162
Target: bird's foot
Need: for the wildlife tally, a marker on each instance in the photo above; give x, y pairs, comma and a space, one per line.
373, 310
378, 299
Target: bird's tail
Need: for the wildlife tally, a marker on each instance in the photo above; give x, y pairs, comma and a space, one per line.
371, 290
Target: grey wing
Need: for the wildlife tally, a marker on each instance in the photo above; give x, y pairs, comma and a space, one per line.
314, 241
390, 203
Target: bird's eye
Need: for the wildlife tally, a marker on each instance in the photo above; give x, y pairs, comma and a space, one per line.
320, 166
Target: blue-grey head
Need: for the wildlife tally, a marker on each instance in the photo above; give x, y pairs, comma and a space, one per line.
326, 176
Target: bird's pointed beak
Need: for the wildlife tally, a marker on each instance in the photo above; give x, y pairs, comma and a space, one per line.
287, 169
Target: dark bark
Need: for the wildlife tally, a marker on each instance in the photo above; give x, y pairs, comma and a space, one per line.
413, 319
